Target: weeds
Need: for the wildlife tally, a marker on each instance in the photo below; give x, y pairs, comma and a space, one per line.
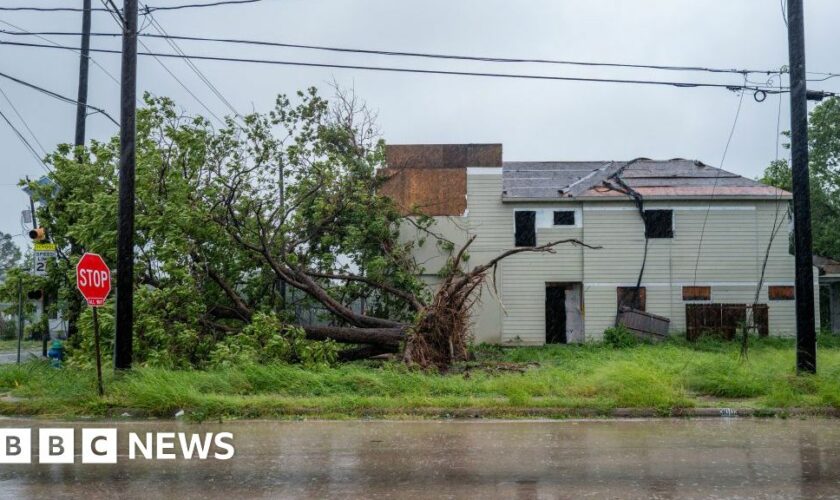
673, 374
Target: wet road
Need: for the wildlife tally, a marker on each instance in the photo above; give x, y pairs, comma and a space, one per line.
9, 357
715, 458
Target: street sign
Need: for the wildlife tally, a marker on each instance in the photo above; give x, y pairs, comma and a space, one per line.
93, 279
42, 254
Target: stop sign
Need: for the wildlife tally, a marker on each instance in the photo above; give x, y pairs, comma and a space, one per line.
93, 279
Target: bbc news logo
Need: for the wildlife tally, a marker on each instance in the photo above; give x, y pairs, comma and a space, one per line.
99, 446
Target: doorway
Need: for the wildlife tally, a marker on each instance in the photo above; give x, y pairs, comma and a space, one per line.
563, 313
555, 314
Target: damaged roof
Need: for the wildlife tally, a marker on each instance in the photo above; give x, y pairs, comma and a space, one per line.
677, 178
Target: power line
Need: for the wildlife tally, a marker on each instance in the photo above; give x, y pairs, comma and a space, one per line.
39, 35
146, 10
56, 95
199, 5
714, 186
166, 68
663, 67
25, 142
155, 24
392, 69
182, 84
20, 117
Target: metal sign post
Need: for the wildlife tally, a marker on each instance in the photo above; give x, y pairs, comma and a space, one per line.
93, 279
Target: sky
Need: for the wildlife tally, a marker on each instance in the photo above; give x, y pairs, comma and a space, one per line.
534, 120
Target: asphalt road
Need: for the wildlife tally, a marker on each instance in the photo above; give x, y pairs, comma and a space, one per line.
7, 357
699, 458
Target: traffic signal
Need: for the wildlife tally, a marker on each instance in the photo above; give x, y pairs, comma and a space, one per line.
38, 234
35, 294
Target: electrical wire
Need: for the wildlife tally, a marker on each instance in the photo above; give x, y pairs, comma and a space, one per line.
392, 69
27, 32
200, 5
159, 28
462, 57
25, 142
182, 84
165, 67
714, 186
58, 96
148, 9
22, 120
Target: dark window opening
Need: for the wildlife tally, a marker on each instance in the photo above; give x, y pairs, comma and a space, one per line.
659, 223
631, 297
697, 293
564, 218
780, 293
525, 233
555, 314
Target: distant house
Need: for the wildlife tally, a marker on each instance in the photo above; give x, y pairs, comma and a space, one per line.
697, 236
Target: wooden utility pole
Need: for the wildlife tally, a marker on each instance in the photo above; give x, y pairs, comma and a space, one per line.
806, 340
74, 305
84, 61
125, 230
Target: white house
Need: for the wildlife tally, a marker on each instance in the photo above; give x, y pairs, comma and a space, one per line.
686, 233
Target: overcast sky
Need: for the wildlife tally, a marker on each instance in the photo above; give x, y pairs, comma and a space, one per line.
535, 120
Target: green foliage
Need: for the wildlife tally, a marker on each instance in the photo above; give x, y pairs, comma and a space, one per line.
824, 164
9, 253
267, 340
619, 337
204, 198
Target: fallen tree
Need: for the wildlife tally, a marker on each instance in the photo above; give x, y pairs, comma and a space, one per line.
247, 227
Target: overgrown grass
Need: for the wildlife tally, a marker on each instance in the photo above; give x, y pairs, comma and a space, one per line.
668, 376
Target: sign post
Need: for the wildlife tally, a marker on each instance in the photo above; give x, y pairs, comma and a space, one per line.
93, 279
43, 253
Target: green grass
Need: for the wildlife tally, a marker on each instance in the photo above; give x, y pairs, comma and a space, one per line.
664, 377
11, 345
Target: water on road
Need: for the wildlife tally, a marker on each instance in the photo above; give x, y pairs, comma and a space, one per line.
714, 458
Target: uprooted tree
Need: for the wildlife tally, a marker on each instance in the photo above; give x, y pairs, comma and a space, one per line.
242, 227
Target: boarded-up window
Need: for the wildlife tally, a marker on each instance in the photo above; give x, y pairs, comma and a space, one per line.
659, 223
631, 297
525, 233
697, 293
781, 292
564, 217
724, 320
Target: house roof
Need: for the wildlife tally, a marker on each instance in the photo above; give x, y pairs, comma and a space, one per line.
664, 179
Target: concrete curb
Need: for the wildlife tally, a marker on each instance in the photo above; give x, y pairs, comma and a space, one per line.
469, 413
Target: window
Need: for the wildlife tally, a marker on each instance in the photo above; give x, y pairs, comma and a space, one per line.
659, 223
780, 293
697, 293
632, 297
525, 232
564, 217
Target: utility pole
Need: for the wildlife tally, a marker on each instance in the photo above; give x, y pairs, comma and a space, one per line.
45, 335
75, 306
84, 61
806, 340
125, 229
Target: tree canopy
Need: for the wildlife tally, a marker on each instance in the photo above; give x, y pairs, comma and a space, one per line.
824, 164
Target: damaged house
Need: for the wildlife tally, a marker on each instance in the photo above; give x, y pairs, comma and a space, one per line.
679, 240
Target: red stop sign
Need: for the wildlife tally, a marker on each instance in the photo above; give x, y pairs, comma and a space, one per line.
93, 279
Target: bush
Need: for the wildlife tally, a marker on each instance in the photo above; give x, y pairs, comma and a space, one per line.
8, 329
619, 337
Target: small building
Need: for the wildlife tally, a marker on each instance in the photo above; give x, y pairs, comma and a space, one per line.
669, 237
829, 277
